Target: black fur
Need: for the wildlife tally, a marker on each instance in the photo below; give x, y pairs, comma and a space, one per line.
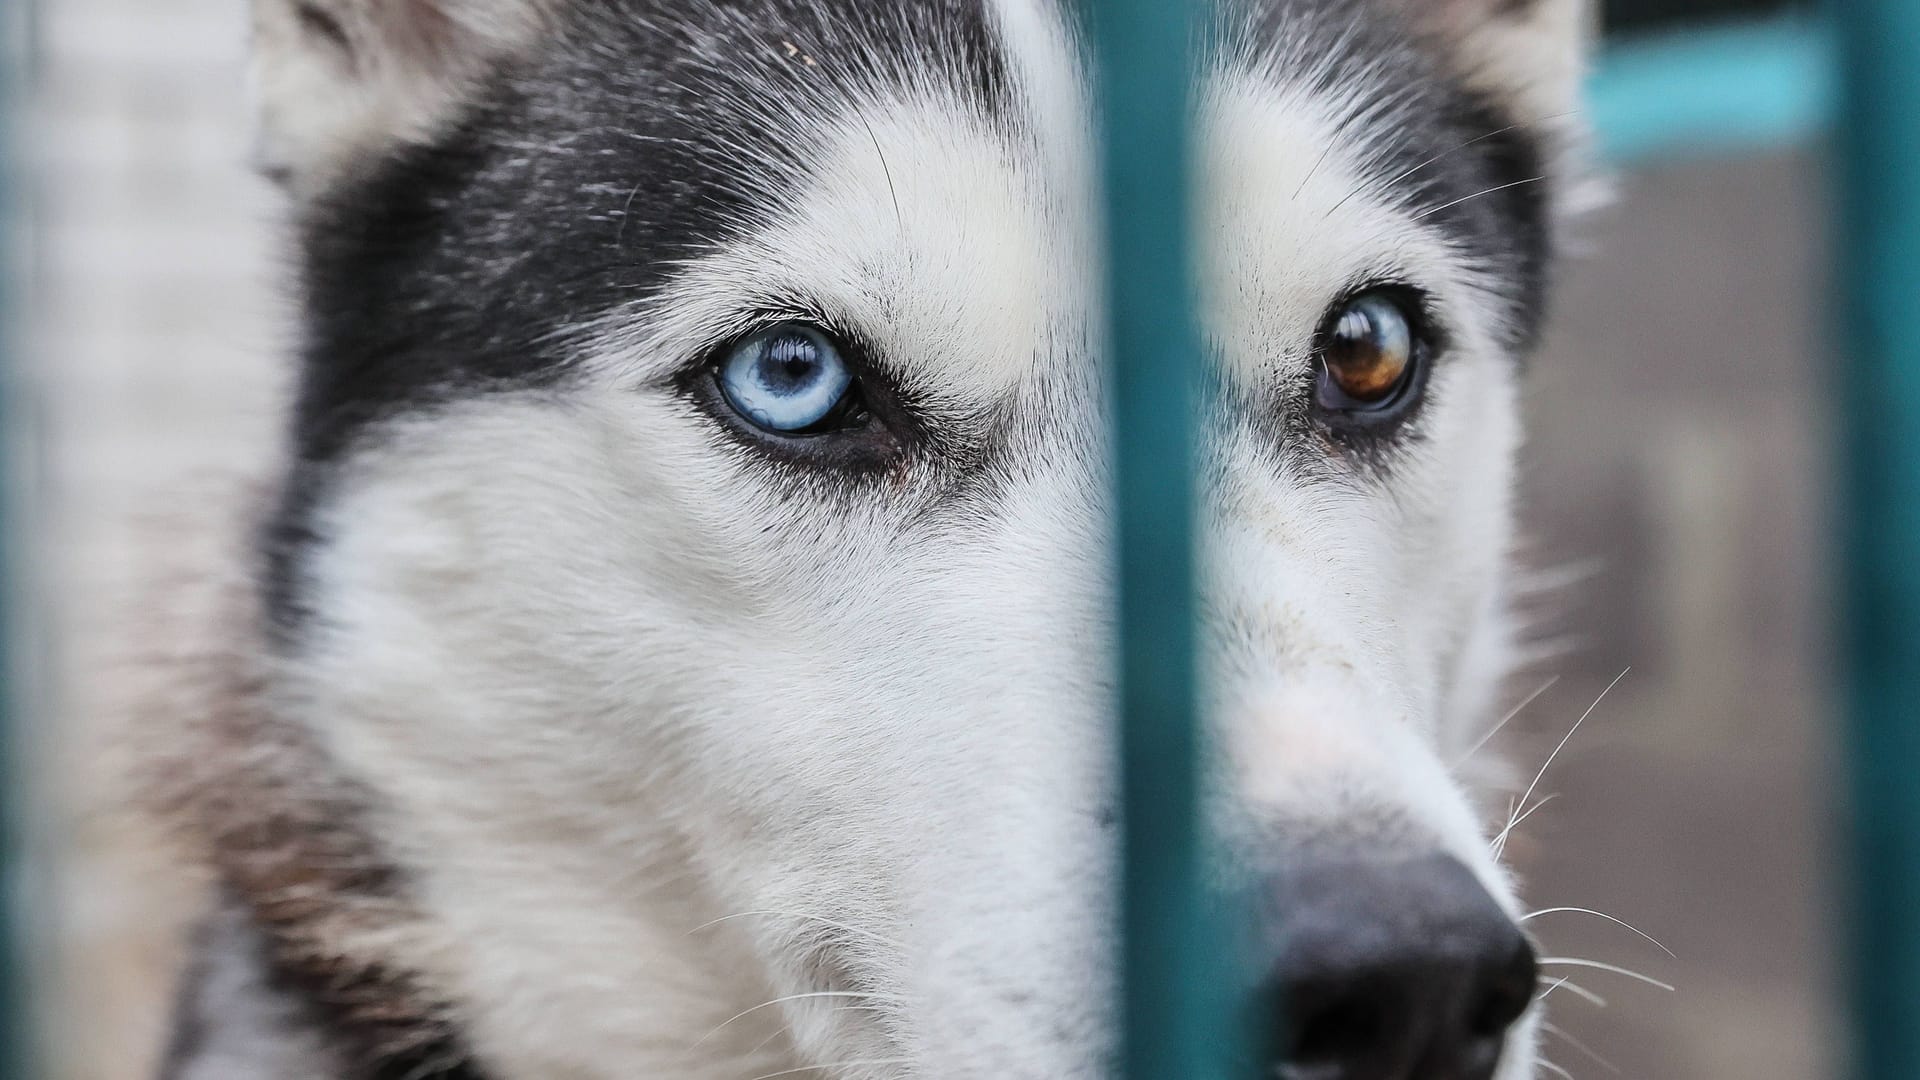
579, 179
585, 172
244, 1010
1502, 203
648, 131
1457, 155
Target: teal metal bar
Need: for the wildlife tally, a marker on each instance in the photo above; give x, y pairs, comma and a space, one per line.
1715, 89
1877, 258
1171, 1018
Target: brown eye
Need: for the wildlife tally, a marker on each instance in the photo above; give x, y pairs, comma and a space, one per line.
1368, 354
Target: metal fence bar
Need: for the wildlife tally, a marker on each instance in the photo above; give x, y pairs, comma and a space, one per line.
1877, 260
1714, 89
1143, 49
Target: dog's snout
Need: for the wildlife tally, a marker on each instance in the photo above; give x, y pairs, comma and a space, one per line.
1400, 970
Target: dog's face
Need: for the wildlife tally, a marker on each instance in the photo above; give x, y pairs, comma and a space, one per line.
698, 546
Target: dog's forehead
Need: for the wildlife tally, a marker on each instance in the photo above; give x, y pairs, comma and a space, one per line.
943, 207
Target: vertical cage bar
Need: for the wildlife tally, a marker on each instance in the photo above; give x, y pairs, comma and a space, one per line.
1144, 52
1878, 274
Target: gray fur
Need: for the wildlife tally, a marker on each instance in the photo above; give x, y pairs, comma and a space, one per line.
485, 282
234, 1023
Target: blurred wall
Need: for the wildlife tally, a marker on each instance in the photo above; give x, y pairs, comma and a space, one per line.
1676, 487
156, 353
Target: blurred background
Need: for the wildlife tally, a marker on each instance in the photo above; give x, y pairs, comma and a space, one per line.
1674, 505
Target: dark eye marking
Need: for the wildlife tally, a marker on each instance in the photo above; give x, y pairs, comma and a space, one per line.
802, 393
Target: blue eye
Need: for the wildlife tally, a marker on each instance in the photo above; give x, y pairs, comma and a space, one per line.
789, 379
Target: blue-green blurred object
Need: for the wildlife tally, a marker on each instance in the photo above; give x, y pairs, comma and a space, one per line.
1877, 262
1715, 89
1173, 1007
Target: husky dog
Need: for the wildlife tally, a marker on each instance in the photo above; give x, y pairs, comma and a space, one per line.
677, 643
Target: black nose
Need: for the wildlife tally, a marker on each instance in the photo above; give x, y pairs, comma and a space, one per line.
1390, 970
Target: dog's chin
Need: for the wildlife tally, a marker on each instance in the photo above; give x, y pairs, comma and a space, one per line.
1519, 1061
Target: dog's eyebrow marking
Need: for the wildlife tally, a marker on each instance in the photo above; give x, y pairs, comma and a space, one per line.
1475, 141
1429, 212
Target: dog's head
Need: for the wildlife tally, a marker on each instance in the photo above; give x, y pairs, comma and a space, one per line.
696, 550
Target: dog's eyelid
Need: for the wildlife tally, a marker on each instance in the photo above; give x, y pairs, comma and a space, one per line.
875, 422
1429, 314
859, 349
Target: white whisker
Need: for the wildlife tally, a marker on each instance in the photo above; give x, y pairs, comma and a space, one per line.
1507, 719
1319, 161
1580, 1046
1430, 211
1576, 990
803, 917
1601, 915
1574, 961
1548, 764
835, 1065
1500, 842
1557, 1070
763, 1043
794, 997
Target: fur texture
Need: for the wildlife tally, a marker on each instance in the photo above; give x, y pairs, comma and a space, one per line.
569, 728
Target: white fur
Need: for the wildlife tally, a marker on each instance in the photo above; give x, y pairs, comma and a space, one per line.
403, 73
663, 736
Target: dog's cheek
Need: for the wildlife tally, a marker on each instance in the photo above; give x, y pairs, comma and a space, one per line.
1454, 532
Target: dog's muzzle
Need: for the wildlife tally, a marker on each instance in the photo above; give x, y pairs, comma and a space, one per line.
1390, 970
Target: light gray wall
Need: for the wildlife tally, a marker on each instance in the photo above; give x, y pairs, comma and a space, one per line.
155, 354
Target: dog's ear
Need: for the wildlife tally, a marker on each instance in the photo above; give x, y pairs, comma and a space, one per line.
337, 79
1530, 55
